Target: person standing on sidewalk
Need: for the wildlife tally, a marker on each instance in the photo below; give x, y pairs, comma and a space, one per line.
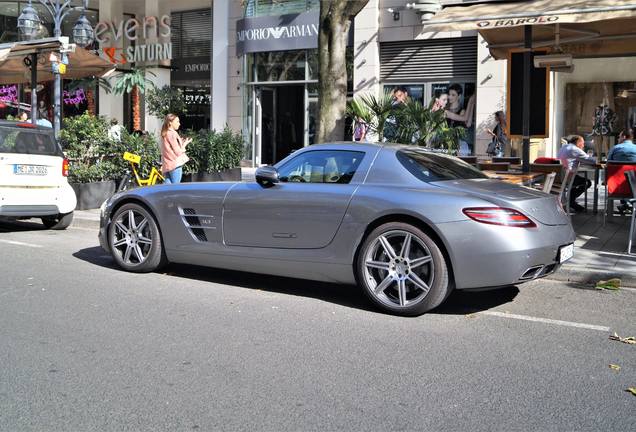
173, 150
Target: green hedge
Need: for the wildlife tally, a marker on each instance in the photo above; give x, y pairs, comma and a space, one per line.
94, 156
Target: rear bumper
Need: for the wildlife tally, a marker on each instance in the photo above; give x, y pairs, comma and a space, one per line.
35, 201
490, 256
29, 210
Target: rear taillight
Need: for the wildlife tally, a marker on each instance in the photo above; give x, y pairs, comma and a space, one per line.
65, 168
499, 216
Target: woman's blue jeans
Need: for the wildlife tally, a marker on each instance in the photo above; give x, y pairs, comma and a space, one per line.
173, 176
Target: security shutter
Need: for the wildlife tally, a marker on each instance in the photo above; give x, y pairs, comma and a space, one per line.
191, 33
428, 60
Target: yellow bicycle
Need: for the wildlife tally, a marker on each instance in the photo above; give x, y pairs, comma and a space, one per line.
128, 182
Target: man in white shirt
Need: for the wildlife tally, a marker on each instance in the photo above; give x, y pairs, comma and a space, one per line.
570, 152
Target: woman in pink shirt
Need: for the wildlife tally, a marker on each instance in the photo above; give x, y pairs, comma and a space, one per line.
173, 154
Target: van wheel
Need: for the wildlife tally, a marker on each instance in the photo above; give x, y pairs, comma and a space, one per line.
402, 270
59, 222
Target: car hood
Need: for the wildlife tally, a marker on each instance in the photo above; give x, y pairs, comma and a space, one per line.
540, 206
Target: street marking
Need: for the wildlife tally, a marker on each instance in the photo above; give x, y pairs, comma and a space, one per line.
546, 321
17, 243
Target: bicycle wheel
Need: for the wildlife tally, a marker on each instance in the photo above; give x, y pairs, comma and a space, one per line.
126, 183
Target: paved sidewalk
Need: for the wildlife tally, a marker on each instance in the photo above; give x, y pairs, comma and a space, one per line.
86, 219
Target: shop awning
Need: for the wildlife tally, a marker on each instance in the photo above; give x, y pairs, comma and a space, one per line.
585, 28
82, 63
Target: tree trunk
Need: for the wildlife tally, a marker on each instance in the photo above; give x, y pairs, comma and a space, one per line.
334, 26
136, 109
90, 101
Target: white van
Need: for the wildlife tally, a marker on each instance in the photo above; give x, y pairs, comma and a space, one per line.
33, 176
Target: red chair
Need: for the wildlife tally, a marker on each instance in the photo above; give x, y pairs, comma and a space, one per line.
616, 185
547, 160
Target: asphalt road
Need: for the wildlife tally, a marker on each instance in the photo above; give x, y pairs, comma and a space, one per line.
87, 347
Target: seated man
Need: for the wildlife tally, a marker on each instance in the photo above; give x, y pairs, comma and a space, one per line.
570, 152
625, 151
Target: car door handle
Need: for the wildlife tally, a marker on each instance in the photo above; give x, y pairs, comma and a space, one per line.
284, 235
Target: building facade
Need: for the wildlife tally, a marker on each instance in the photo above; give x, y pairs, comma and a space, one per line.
252, 65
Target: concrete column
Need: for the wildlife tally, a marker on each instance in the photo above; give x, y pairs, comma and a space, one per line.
366, 50
235, 72
220, 63
492, 77
111, 105
161, 77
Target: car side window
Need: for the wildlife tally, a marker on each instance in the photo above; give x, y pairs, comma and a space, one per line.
322, 166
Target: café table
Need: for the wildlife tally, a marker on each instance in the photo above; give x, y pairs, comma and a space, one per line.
516, 177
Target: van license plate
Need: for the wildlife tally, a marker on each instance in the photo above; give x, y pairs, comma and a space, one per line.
566, 252
38, 170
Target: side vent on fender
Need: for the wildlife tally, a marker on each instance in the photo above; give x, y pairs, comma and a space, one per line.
197, 224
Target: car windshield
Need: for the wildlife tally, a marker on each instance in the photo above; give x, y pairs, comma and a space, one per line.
431, 167
28, 141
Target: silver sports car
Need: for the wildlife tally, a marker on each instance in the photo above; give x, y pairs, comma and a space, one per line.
407, 225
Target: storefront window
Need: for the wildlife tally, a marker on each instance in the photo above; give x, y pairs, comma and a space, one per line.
280, 66
603, 110
457, 98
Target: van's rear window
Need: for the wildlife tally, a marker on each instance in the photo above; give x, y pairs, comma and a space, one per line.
28, 141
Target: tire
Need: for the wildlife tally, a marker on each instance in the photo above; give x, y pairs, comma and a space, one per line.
59, 222
135, 240
402, 281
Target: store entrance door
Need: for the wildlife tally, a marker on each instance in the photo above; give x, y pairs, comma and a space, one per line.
280, 120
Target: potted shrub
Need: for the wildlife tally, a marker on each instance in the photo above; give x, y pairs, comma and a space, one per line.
85, 141
215, 156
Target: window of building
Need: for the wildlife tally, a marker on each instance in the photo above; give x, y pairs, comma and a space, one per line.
256, 8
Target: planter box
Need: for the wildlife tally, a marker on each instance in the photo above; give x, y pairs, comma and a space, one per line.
92, 195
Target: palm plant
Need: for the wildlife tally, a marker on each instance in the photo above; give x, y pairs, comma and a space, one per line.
374, 111
89, 84
133, 82
424, 126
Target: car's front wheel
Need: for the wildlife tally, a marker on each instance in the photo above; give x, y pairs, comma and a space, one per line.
402, 270
59, 222
134, 239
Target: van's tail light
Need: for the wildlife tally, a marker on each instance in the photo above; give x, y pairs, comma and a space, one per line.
65, 168
499, 216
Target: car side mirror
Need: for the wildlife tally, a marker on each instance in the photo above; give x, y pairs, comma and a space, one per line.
267, 176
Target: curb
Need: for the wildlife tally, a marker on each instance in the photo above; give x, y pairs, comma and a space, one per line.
86, 219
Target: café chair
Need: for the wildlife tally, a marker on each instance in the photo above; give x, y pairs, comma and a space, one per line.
547, 184
492, 166
510, 160
631, 181
548, 169
616, 185
564, 189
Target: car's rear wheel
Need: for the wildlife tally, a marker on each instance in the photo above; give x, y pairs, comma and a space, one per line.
134, 239
402, 270
58, 222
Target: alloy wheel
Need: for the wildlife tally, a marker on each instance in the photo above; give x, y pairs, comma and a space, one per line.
132, 237
399, 269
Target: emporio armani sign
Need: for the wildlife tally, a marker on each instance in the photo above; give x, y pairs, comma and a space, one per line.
277, 33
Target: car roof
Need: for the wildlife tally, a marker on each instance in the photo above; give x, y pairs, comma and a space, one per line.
17, 125
368, 146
